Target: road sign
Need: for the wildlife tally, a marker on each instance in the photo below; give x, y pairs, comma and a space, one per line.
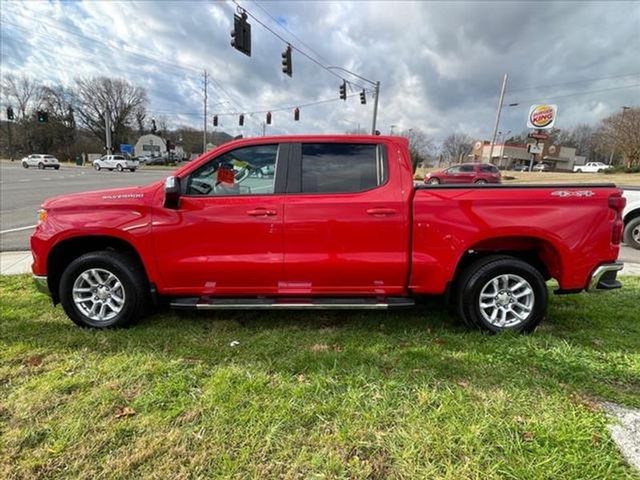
126, 148
539, 135
542, 117
535, 149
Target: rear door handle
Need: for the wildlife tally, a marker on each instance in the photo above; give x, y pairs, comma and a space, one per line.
261, 212
378, 212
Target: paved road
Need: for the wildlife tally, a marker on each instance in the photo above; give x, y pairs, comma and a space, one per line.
22, 191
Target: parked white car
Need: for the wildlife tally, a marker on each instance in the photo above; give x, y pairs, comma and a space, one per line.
115, 162
41, 161
591, 167
631, 218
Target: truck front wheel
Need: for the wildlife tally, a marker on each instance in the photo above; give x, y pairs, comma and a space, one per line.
103, 289
500, 293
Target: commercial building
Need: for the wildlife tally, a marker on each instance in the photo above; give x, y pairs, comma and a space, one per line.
150, 145
507, 156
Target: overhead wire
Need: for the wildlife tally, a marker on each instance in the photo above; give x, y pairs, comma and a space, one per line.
295, 47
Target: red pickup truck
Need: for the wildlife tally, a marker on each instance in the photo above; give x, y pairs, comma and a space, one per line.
323, 222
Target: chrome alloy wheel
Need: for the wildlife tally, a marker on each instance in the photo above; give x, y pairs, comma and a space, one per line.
506, 300
635, 233
98, 294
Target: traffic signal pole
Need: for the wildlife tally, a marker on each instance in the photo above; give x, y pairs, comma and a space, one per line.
376, 86
375, 109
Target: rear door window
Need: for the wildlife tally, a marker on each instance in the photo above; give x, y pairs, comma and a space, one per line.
342, 167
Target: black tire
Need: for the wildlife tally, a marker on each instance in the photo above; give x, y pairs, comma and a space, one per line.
579, 170
41, 166
130, 276
119, 167
97, 167
480, 274
632, 233
56, 168
25, 165
480, 181
132, 170
433, 181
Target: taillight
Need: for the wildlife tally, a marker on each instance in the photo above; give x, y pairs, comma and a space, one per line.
617, 203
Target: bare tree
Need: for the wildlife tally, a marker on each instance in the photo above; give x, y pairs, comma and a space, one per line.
140, 115
456, 146
22, 90
123, 102
420, 146
621, 133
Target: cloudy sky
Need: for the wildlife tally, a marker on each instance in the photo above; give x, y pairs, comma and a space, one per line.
440, 64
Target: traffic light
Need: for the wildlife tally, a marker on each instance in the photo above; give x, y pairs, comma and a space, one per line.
153, 125
287, 66
215, 120
170, 145
296, 114
268, 118
343, 90
241, 33
10, 116
241, 120
43, 117
363, 97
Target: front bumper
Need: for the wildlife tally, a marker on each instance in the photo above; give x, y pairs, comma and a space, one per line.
604, 277
41, 284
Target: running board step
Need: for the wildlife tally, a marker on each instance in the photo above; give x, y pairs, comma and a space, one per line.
194, 303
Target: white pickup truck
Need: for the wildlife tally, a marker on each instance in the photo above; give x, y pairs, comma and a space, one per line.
631, 217
591, 167
117, 162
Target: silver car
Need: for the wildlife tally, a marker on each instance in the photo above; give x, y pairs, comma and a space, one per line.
41, 161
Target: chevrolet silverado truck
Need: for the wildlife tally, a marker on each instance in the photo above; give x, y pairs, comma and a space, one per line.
339, 225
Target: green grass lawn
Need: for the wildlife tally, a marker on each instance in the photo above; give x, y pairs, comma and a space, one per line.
408, 394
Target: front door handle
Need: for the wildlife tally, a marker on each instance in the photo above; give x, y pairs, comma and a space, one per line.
261, 212
379, 211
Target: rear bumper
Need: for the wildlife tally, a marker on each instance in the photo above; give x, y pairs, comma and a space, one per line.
604, 277
41, 284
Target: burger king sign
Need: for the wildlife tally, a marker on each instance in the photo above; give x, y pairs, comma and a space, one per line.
542, 117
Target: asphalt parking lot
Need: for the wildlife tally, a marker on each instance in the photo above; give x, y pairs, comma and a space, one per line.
23, 190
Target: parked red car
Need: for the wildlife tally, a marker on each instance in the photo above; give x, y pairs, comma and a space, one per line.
465, 173
340, 225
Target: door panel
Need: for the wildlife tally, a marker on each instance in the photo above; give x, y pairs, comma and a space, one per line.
226, 237
344, 243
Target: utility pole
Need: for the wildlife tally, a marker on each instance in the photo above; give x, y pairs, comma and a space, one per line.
107, 130
264, 128
204, 137
613, 150
9, 122
495, 128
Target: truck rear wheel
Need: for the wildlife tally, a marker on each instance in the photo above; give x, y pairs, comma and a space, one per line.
103, 289
500, 293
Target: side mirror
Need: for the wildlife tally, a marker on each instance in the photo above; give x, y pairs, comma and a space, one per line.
172, 192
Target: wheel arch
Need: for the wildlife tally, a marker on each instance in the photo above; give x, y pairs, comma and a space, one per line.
631, 215
67, 250
538, 252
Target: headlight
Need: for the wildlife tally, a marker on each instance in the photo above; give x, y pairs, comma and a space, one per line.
42, 215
